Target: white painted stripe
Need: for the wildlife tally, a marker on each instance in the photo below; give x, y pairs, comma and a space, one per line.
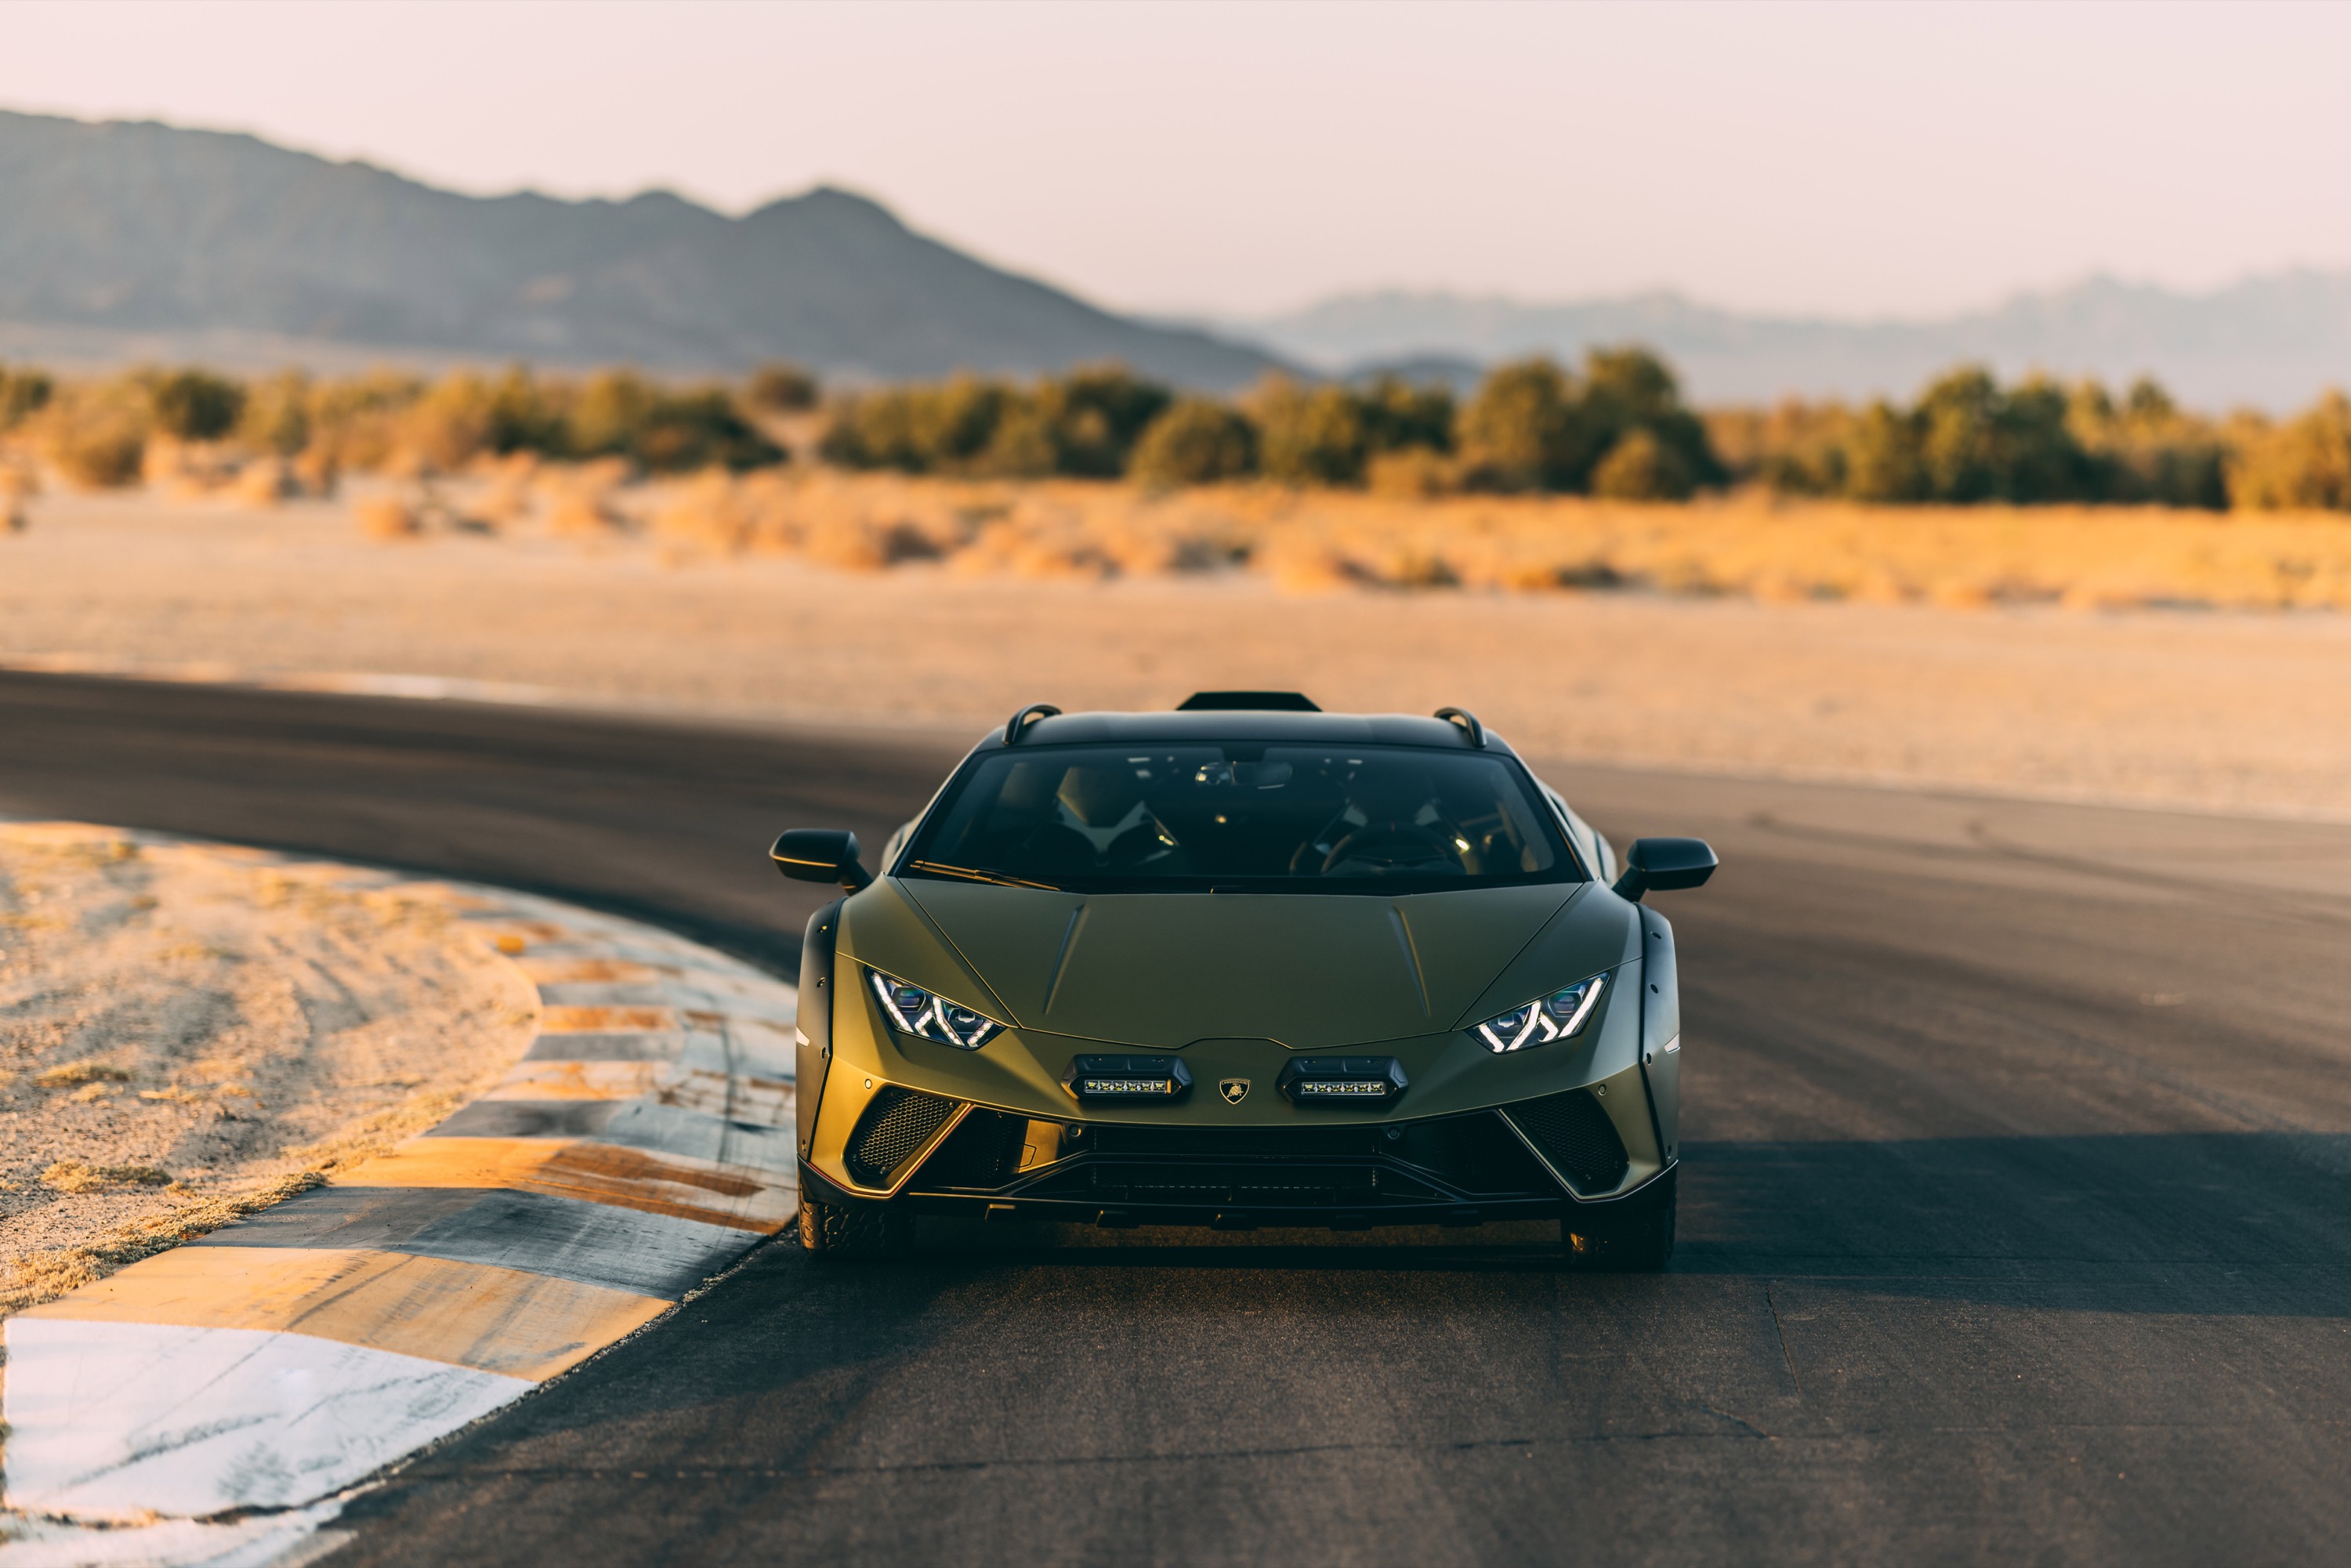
264, 1541
119, 1420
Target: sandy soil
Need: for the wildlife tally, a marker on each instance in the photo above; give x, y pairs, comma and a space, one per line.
186, 1031
2239, 710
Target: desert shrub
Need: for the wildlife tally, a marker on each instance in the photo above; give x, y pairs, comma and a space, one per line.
1411, 472
940, 428
2303, 462
1969, 440
386, 518
357, 424
1094, 415
1794, 447
2146, 451
520, 414
1630, 389
619, 414
1398, 416
277, 417
1523, 429
97, 443
1085, 424
1643, 467
449, 425
779, 388
1885, 458
1979, 442
23, 392
1310, 436
194, 405
1195, 442
1332, 434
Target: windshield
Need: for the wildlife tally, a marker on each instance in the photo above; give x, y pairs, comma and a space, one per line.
1243, 817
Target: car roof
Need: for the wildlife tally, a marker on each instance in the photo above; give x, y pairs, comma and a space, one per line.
1256, 725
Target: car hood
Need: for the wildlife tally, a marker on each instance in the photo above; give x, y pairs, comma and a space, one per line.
1164, 970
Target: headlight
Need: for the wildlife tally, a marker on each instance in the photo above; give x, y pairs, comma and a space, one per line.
1543, 1021
928, 1017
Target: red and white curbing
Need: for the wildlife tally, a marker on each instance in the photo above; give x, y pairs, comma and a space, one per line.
644, 1143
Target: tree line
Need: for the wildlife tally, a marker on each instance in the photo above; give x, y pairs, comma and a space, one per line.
1615, 426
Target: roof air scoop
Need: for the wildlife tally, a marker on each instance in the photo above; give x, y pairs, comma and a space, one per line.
1248, 701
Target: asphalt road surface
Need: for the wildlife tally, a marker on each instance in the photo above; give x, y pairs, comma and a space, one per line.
2014, 1219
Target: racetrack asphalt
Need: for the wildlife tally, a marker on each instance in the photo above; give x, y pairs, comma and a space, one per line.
2017, 1144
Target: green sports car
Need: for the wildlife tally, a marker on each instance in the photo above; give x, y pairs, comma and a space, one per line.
1244, 964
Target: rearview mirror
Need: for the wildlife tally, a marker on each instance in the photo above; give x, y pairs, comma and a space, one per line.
1660, 865
821, 854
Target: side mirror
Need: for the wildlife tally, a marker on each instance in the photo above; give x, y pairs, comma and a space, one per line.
821, 854
1660, 865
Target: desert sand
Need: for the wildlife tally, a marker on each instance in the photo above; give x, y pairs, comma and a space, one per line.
188, 1031
2224, 709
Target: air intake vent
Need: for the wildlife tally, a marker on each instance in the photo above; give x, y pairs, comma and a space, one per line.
1576, 1136
899, 1122
984, 1152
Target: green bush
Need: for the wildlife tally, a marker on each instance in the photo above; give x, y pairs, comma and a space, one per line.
2306, 462
195, 406
99, 442
1309, 435
1084, 424
1522, 431
1643, 467
620, 414
277, 416
23, 392
1195, 442
779, 388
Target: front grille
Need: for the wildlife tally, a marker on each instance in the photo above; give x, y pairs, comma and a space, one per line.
1575, 1135
898, 1122
1235, 1142
984, 1151
1215, 1184
1477, 1155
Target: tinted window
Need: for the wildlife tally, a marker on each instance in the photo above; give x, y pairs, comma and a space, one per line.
1254, 817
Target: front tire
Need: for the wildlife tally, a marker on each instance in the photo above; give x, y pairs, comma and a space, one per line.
835, 1231
1632, 1236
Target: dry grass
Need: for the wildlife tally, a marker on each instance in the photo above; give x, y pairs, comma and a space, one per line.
2083, 557
386, 518
188, 1032
39, 1277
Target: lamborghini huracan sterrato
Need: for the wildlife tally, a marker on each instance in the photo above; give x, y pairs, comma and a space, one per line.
1245, 963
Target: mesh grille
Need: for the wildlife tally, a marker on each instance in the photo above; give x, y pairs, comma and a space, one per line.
1480, 1155
899, 1122
984, 1151
1575, 1135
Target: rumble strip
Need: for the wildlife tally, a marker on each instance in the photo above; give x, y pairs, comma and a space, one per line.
641, 1145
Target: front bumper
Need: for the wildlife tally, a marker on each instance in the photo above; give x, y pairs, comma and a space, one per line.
1536, 1159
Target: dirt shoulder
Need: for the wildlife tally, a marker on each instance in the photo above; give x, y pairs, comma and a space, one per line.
189, 1031
2236, 710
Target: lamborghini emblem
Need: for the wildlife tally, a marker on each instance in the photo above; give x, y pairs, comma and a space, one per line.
1234, 1089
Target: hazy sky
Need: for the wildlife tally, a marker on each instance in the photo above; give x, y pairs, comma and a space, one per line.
1842, 159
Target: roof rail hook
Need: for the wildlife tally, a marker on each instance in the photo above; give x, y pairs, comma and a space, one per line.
1468, 721
1030, 714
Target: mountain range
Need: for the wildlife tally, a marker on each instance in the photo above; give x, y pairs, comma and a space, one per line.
2273, 341
144, 241
123, 242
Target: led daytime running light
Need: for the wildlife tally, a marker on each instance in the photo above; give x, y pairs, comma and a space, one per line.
1554, 1017
927, 1016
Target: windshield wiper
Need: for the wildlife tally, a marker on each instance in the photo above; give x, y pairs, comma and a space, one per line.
972, 873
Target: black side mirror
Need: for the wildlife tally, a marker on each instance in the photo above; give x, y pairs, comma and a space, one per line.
821, 854
1660, 865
